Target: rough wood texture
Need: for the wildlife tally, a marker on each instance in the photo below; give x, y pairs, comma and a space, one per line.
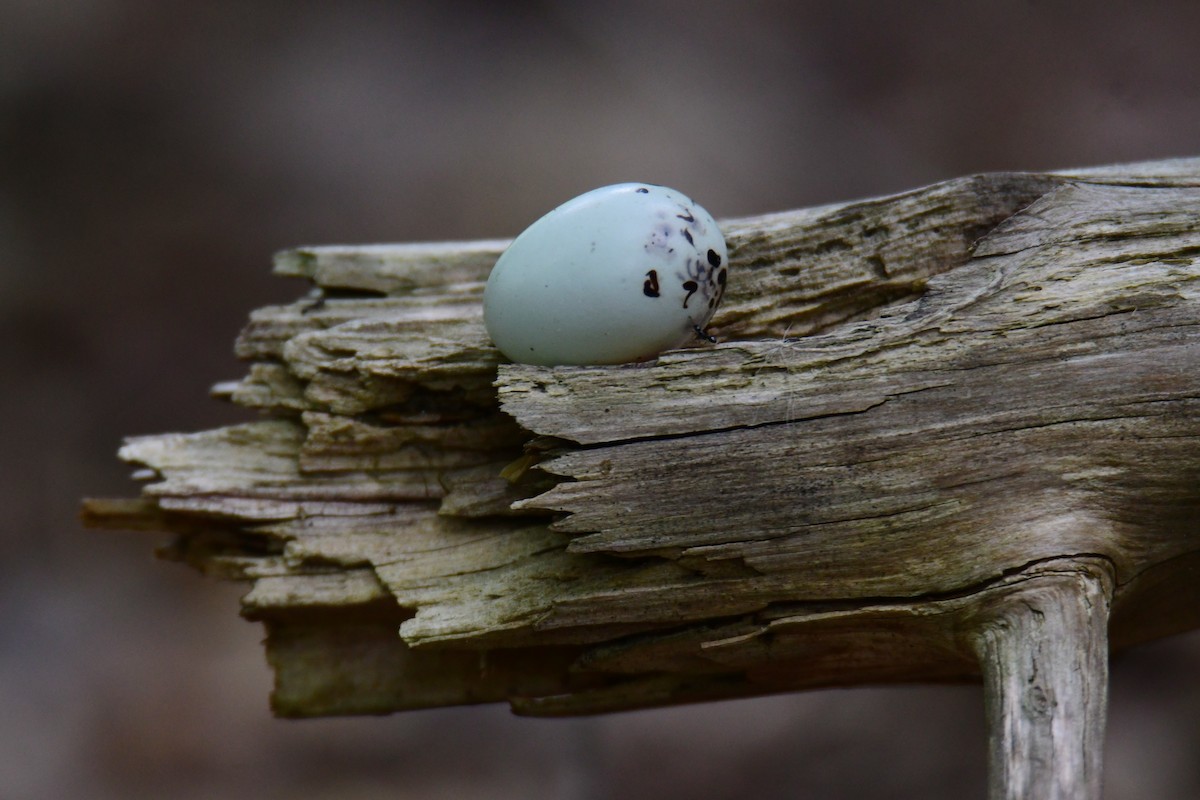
921, 406
1044, 649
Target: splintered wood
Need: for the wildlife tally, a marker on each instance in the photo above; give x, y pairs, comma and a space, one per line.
917, 404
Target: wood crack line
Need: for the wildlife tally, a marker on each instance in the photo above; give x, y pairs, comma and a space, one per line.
1005, 578
666, 437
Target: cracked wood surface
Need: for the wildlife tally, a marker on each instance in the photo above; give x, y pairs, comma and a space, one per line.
917, 402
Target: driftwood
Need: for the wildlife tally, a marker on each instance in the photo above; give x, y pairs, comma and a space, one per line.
948, 435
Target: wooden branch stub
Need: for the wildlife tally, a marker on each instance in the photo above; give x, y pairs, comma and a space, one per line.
928, 414
1043, 646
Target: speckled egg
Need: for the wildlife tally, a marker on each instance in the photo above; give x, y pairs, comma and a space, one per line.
618, 274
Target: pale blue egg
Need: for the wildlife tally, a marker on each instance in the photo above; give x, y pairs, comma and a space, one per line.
618, 274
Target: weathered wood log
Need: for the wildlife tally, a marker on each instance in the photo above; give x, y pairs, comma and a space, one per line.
944, 435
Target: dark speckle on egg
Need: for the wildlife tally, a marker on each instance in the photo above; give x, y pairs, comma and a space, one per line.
691, 288
650, 286
713, 258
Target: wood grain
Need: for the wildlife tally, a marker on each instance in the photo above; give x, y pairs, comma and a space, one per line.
921, 407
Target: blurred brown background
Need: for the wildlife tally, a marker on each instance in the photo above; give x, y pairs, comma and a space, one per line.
155, 154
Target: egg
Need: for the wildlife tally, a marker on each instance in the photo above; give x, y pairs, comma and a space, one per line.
615, 275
